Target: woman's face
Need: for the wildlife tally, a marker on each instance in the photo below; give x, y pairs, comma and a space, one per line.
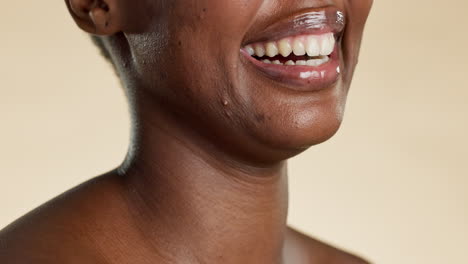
205, 61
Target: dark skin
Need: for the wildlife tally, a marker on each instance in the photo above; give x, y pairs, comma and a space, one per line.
205, 178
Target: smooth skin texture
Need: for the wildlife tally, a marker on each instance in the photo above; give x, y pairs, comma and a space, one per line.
205, 177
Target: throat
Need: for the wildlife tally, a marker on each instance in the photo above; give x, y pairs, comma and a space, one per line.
197, 212
196, 205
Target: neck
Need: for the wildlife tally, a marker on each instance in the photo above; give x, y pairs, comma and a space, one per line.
202, 207
199, 205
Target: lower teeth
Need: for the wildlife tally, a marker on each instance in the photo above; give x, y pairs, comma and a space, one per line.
312, 62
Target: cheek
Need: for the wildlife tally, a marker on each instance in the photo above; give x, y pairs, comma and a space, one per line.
204, 37
287, 120
201, 50
358, 12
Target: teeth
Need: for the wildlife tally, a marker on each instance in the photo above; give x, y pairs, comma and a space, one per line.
310, 45
311, 63
298, 47
271, 49
259, 50
301, 62
313, 46
285, 48
318, 62
250, 50
328, 44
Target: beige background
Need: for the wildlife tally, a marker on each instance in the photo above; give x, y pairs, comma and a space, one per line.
392, 184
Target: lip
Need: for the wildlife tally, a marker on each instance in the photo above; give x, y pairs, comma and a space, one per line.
308, 21
303, 78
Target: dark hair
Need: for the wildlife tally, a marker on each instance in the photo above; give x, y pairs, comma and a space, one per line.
98, 41
103, 50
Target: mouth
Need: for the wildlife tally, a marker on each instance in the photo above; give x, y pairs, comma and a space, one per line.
302, 51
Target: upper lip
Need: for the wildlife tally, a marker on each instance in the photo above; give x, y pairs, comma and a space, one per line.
304, 22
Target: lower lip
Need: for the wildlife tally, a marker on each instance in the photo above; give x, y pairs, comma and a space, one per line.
301, 78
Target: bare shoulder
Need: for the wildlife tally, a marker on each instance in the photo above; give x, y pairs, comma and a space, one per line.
300, 248
57, 231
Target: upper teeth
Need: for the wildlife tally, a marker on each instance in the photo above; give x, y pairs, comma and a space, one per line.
312, 62
312, 45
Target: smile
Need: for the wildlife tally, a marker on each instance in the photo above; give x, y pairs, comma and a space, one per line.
303, 52
310, 50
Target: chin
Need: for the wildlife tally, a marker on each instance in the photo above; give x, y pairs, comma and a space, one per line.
285, 132
300, 128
